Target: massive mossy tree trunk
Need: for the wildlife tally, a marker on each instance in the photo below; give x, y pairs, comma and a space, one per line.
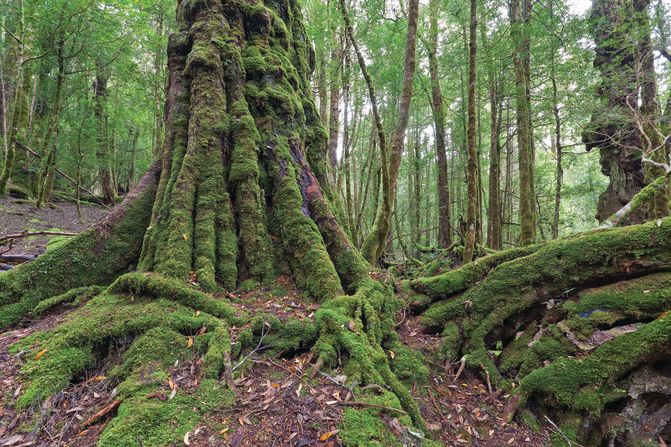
613, 129
242, 193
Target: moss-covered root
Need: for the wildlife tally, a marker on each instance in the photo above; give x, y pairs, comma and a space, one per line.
160, 321
455, 281
513, 288
353, 330
95, 257
583, 387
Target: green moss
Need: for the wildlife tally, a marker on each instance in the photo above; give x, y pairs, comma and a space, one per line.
407, 364
73, 297
584, 384
160, 423
365, 428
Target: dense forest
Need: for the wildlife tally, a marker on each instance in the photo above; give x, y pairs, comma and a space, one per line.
335, 222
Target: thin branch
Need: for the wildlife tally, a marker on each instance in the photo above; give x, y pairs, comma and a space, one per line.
35, 233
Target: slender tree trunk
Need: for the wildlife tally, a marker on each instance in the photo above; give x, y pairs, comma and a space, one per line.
46, 175
524, 132
650, 109
134, 136
103, 152
335, 80
494, 193
18, 111
559, 171
377, 239
444, 217
417, 199
472, 164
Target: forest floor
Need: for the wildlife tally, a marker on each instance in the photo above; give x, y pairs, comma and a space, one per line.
17, 216
277, 404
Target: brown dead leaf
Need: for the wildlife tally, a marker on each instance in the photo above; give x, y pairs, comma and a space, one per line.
40, 354
327, 435
189, 342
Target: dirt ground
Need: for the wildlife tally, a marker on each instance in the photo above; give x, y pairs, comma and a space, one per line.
16, 217
277, 404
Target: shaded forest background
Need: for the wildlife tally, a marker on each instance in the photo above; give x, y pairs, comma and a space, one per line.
93, 89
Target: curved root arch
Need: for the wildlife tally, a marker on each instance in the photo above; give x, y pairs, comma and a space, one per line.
550, 318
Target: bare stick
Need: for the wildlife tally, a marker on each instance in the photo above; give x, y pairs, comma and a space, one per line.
35, 233
264, 332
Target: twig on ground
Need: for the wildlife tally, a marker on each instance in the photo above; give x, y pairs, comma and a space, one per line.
264, 332
35, 233
566, 438
461, 368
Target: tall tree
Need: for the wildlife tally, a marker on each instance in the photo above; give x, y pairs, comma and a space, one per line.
444, 214
377, 240
472, 163
521, 59
240, 119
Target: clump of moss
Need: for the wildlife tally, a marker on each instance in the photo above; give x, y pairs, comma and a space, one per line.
159, 423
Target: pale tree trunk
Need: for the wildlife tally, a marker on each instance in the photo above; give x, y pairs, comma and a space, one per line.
472, 163
335, 78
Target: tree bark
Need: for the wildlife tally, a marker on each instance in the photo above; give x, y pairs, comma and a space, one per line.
527, 204
444, 212
613, 127
494, 193
377, 240
103, 141
472, 163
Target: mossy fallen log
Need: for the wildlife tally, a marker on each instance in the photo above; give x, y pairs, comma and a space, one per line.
563, 324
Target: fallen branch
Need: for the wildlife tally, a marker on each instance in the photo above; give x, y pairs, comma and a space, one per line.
17, 259
102, 413
67, 177
35, 233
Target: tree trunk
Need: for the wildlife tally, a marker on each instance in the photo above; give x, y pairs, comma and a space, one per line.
472, 164
613, 127
19, 106
653, 144
241, 194
45, 177
524, 131
377, 240
103, 150
444, 216
335, 82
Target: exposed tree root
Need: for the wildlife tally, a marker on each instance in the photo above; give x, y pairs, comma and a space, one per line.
532, 317
243, 196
